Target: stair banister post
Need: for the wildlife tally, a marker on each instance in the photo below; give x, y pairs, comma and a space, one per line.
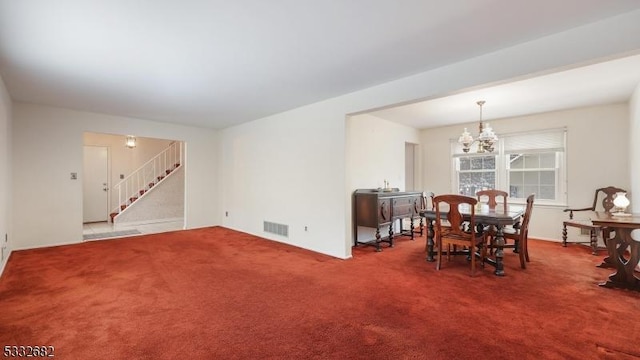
119, 199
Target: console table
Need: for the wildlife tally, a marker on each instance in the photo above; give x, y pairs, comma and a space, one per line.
377, 208
617, 247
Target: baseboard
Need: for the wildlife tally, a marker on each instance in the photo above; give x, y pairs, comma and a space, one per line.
544, 239
4, 262
48, 245
146, 222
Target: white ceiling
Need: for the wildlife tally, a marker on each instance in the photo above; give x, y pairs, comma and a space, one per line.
603, 83
217, 63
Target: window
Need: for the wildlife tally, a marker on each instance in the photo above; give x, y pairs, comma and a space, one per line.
521, 165
532, 173
476, 173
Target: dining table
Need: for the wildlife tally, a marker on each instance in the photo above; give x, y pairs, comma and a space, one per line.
622, 248
498, 218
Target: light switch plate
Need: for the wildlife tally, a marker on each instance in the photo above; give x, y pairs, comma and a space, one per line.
74, 176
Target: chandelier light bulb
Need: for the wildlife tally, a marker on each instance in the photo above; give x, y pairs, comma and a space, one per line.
486, 137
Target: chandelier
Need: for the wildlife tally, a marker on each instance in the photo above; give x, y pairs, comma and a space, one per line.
485, 139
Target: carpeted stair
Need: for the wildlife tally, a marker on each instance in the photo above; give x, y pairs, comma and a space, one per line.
144, 191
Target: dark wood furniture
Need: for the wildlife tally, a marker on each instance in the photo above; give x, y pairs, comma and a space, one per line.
492, 196
623, 250
520, 234
497, 218
607, 195
379, 208
426, 202
449, 206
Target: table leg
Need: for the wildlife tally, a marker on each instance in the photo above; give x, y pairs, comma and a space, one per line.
624, 277
430, 234
594, 242
608, 262
411, 227
391, 232
499, 251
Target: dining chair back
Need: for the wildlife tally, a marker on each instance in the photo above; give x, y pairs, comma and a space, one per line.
520, 235
422, 204
456, 233
492, 197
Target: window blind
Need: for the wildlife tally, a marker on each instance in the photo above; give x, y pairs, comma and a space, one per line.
544, 141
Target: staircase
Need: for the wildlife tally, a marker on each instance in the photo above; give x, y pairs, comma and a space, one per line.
140, 182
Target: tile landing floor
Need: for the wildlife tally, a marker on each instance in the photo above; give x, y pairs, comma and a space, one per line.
105, 230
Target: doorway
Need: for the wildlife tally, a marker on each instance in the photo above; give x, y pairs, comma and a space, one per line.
410, 151
158, 210
95, 184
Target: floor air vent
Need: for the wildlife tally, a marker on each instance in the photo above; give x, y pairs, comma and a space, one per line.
278, 229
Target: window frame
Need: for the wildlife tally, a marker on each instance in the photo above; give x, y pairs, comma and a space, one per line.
503, 169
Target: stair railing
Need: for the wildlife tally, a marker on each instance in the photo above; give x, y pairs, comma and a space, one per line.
149, 174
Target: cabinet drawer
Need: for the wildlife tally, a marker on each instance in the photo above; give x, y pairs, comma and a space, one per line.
384, 211
402, 207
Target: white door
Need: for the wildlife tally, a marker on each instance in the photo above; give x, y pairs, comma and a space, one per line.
95, 190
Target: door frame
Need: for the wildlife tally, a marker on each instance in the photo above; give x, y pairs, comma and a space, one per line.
108, 208
414, 162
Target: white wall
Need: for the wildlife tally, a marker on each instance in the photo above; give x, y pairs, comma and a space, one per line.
285, 169
376, 152
597, 156
123, 160
48, 146
5, 175
634, 150
291, 167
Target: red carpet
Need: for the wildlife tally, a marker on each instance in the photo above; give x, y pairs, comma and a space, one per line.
214, 293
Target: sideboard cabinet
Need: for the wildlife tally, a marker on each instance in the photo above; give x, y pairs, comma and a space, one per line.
379, 208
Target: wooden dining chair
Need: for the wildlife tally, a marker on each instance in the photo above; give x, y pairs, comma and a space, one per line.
424, 203
454, 234
492, 197
521, 234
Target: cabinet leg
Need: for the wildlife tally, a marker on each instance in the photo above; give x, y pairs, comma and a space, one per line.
378, 240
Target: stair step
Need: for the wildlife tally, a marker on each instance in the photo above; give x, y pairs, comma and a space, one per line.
112, 215
122, 207
142, 191
160, 177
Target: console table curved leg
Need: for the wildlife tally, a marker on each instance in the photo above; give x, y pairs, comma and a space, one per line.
624, 277
608, 262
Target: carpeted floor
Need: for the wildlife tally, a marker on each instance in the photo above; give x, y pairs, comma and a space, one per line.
215, 293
